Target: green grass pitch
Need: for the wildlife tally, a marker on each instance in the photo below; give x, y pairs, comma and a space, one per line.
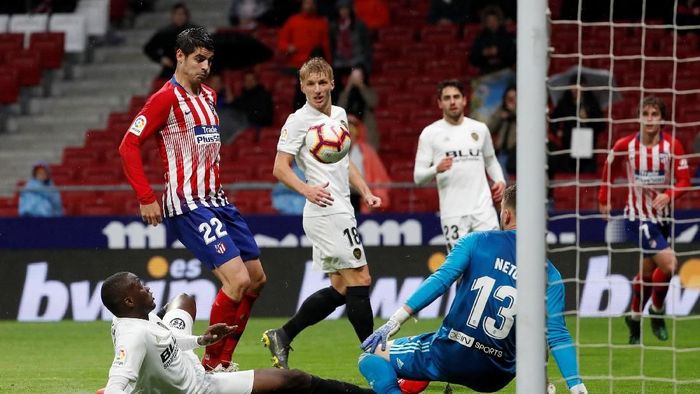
74, 357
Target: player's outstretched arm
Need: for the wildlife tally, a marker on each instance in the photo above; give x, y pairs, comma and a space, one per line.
558, 338
433, 287
282, 170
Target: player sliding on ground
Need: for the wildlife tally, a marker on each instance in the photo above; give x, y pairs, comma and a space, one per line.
475, 345
154, 355
651, 159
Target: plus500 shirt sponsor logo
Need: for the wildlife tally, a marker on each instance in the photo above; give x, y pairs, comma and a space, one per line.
206, 134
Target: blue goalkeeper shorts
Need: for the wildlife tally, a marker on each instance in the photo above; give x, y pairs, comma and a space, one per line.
415, 357
214, 235
651, 237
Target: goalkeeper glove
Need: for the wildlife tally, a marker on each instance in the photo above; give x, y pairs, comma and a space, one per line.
388, 329
578, 389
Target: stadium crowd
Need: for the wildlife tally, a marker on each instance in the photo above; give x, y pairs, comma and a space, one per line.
388, 58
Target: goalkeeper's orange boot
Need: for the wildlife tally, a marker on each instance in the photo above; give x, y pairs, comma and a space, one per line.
412, 386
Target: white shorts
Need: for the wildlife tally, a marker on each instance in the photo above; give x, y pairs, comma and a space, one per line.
240, 382
336, 242
456, 227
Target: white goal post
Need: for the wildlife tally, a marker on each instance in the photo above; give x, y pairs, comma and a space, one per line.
532, 39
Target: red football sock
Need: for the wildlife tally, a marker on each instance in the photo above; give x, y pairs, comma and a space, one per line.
242, 315
640, 296
660, 280
222, 311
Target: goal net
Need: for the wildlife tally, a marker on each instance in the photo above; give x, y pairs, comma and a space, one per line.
602, 64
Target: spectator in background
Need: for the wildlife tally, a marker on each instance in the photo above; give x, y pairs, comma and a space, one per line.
561, 129
448, 11
502, 125
161, 47
688, 14
303, 34
494, 46
350, 41
255, 102
359, 99
252, 108
40, 198
285, 200
327, 8
374, 13
368, 163
246, 14
230, 120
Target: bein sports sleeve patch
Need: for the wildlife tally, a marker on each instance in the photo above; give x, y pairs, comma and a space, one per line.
138, 125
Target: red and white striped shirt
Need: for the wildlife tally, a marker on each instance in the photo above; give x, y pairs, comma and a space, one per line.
650, 171
186, 128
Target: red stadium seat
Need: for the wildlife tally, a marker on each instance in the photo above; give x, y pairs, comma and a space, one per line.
50, 46
438, 34
9, 85
80, 158
135, 105
62, 174
400, 66
10, 43
396, 34
263, 205
402, 171
236, 173
101, 175
30, 64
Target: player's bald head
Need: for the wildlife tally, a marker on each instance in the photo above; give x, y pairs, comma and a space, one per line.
114, 290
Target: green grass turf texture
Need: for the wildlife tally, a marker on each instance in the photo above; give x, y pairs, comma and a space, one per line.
74, 357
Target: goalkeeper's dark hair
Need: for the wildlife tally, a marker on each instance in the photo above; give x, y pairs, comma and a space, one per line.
509, 198
195, 37
654, 101
113, 291
455, 83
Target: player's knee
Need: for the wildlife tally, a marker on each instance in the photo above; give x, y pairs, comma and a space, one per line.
185, 302
237, 287
667, 261
257, 283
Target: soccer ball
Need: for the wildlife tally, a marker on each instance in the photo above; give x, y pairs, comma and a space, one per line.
328, 142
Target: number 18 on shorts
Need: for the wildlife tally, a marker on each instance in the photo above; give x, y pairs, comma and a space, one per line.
336, 242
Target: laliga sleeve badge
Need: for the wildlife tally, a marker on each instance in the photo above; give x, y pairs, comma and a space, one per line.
120, 357
138, 125
283, 135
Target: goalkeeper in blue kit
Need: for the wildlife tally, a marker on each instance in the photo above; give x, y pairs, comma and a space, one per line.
475, 345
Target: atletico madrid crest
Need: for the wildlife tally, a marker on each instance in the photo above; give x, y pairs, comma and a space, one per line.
220, 248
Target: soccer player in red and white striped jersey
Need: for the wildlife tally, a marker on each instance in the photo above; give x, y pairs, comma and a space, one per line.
182, 117
657, 173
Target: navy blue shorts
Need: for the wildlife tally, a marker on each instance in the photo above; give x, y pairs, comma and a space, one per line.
651, 237
215, 235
